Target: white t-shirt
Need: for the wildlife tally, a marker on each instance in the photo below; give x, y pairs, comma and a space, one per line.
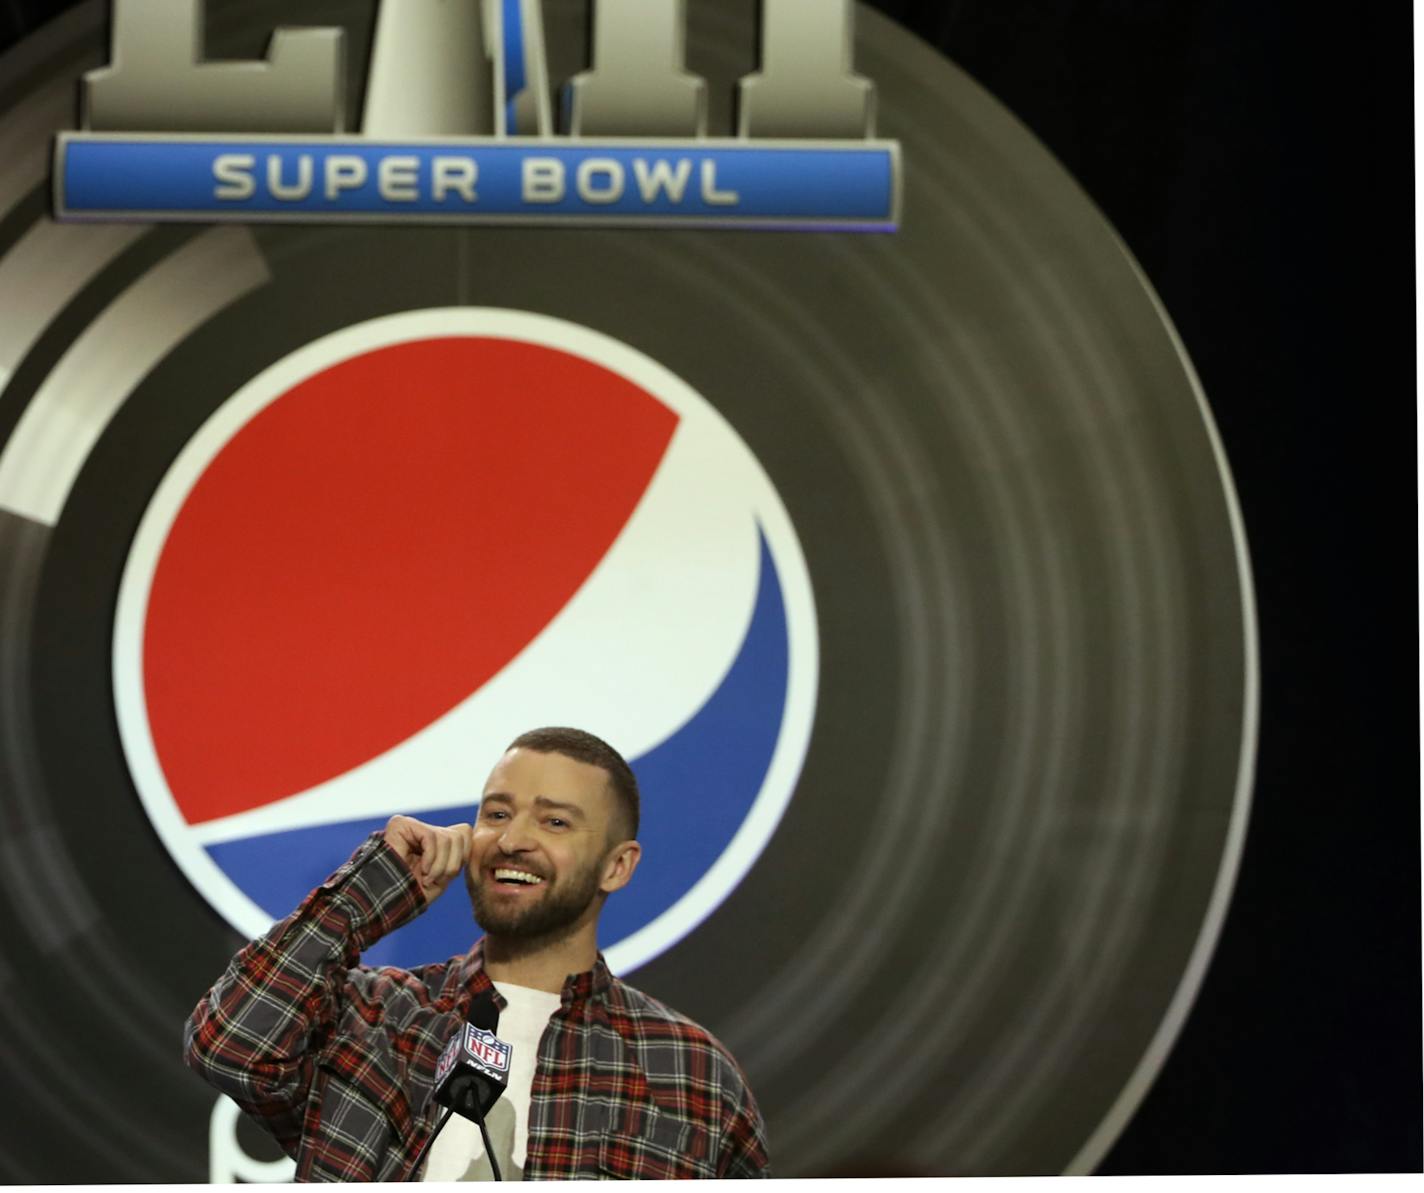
459, 1153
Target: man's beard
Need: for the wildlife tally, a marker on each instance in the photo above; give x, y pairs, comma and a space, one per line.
551, 916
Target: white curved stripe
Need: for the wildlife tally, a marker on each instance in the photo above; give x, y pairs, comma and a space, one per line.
41, 275
69, 412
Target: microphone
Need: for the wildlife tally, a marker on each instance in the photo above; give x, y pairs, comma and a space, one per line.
473, 1071
470, 1076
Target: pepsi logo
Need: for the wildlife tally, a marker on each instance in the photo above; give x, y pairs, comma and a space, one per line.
407, 541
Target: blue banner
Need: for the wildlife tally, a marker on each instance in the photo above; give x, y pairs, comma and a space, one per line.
841, 185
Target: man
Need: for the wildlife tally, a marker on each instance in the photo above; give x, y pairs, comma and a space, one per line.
337, 1060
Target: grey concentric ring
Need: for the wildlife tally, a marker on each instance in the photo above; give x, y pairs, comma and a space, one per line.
1019, 823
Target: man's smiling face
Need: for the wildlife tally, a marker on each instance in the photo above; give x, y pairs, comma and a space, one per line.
542, 854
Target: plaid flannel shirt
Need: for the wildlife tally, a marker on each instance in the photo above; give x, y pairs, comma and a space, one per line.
337, 1060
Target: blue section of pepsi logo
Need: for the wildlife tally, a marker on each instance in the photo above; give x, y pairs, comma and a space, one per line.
698, 787
699, 784
331, 178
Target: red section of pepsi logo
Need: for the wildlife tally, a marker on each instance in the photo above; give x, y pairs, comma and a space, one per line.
374, 546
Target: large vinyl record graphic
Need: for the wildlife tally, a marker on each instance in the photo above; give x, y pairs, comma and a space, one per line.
969, 825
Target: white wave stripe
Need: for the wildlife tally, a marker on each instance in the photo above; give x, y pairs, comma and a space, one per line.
110, 357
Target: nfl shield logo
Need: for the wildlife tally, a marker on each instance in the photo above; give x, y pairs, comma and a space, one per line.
487, 1048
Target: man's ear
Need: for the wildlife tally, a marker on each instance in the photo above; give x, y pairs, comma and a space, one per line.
619, 865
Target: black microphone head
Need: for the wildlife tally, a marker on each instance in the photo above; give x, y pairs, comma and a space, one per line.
483, 1012
473, 1070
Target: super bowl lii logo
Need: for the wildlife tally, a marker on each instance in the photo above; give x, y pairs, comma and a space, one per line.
457, 124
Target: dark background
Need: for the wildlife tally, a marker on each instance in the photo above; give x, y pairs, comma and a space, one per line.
1258, 162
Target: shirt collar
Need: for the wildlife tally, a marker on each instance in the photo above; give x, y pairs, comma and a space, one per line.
578, 987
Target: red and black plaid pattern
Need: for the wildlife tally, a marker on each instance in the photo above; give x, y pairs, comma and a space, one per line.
337, 1060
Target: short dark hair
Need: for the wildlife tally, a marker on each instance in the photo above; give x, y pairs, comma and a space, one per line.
585, 747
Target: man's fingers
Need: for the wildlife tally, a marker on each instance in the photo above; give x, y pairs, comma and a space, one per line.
464, 834
440, 856
400, 835
425, 847
454, 850
435, 855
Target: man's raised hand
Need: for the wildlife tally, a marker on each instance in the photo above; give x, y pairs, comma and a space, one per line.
435, 855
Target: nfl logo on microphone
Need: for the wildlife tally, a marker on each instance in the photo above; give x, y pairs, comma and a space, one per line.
486, 1046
